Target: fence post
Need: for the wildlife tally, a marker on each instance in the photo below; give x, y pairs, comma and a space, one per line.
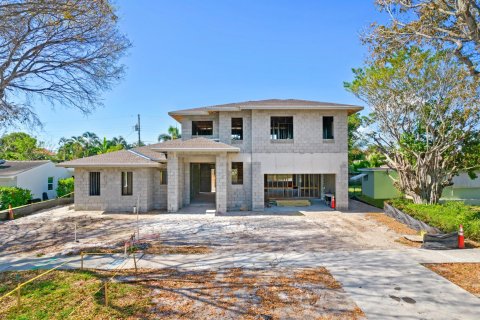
18, 296
81, 264
106, 293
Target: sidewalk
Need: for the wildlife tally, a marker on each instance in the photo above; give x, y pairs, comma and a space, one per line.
386, 284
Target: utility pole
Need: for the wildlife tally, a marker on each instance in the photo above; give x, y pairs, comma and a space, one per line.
137, 128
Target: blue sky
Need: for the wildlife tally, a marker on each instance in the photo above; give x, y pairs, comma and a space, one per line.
195, 53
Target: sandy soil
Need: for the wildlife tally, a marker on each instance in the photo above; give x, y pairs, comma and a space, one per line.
248, 294
52, 232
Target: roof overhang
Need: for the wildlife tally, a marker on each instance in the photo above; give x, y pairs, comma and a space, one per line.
111, 165
205, 111
201, 150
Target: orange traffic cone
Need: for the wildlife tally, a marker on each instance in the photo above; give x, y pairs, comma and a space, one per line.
333, 202
10, 212
461, 238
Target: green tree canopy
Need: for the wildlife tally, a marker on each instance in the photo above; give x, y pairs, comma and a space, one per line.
172, 133
21, 146
426, 112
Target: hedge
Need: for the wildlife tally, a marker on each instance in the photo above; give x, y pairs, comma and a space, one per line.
446, 216
65, 186
15, 196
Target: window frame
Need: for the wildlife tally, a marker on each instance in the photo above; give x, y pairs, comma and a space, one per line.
237, 173
163, 177
237, 129
50, 184
276, 130
325, 135
196, 131
126, 183
95, 185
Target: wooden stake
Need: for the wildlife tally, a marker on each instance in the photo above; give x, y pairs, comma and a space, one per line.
106, 293
81, 265
18, 296
135, 263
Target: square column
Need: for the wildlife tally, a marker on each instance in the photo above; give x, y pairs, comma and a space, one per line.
341, 187
258, 193
221, 172
173, 183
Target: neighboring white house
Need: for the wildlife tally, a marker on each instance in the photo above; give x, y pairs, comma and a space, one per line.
37, 176
237, 156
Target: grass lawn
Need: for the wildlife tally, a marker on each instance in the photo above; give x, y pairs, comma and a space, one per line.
373, 202
447, 216
308, 293
58, 294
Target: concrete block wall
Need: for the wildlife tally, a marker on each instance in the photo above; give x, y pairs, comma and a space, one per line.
341, 186
225, 129
221, 181
160, 191
111, 198
173, 183
258, 193
187, 126
307, 132
239, 196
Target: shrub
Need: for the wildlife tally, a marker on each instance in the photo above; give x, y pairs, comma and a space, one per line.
15, 196
65, 186
447, 216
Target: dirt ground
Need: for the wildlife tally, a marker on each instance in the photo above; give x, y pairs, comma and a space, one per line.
306, 293
52, 232
251, 294
464, 275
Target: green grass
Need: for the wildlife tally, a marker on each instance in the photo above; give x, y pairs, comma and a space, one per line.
57, 294
373, 202
447, 216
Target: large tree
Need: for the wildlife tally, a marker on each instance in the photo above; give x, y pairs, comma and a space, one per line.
426, 113
453, 25
21, 146
65, 52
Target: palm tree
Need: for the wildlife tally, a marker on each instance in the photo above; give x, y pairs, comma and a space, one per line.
91, 143
173, 133
119, 141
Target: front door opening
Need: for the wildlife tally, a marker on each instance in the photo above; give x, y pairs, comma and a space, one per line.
202, 183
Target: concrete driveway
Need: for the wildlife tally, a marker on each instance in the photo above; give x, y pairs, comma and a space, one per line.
51, 232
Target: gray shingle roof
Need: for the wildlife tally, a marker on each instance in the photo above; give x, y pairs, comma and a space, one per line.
195, 144
140, 157
267, 104
13, 168
148, 156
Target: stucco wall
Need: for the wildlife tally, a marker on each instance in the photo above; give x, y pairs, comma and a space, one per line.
8, 182
36, 179
381, 187
145, 188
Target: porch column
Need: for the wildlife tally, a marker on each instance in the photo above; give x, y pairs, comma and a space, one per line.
221, 172
172, 172
258, 193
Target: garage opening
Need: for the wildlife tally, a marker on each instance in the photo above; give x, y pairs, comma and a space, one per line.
299, 186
